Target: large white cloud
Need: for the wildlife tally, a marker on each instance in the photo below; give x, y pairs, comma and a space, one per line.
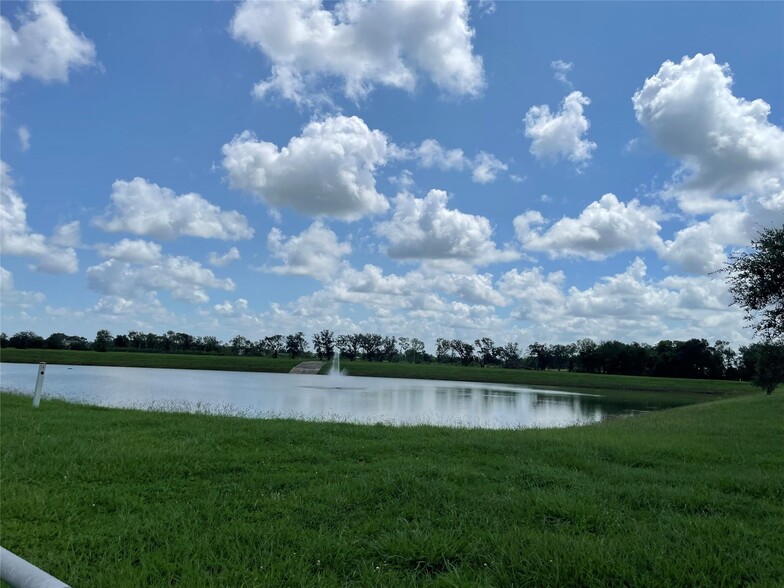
144, 208
726, 146
16, 237
184, 278
560, 134
315, 252
44, 46
132, 251
326, 171
628, 306
682, 307
537, 295
424, 228
145, 312
524, 305
604, 227
363, 43
700, 247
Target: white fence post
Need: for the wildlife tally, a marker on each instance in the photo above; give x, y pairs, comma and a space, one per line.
22, 574
39, 384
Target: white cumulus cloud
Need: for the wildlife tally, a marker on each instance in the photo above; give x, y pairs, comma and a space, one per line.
560, 134
184, 278
315, 252
326, 171
44, 46
11, 298
725, 144
486, 168
604, 227
16, 237
700, 247
217, 260
132, 251
424, 228
363, 43
430, 153
227, 308
144, 208
67, 235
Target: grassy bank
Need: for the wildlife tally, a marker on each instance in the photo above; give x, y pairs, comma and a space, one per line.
669, 390
150, 360
689, 496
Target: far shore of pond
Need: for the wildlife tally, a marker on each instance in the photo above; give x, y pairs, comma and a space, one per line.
674, 390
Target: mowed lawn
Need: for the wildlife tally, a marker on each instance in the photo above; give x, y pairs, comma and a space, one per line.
185, 361
681, 497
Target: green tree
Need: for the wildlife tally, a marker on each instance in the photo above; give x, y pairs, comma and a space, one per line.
769, 368
510, 355
324, 344
296, 344
417, 350
370, 344
56, 341
443, 350
388, 349
103, 340
272, 345
349, 346
239, 345
465, 351
26, 340
756, 280
486, 351
136, 339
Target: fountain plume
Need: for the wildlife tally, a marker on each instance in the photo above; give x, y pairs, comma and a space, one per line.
335, 369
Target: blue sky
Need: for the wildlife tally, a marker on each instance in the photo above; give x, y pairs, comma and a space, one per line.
525, 171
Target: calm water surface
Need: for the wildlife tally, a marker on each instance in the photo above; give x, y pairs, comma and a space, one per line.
312, 397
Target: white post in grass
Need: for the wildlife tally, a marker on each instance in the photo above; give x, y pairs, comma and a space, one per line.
39, 384
22, 574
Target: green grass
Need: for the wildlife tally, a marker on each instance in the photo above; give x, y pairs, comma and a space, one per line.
692, 496
150, 360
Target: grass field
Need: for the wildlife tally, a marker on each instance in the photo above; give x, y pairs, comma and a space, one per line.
669, 390
150, 360
692, 496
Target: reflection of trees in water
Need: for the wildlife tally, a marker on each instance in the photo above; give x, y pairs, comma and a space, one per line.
582, 407
499, 398
453, 395
415, 397
490, 398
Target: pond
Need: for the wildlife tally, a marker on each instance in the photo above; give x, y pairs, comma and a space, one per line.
313, 397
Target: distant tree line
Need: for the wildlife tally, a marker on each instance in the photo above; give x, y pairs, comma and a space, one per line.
695, 358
